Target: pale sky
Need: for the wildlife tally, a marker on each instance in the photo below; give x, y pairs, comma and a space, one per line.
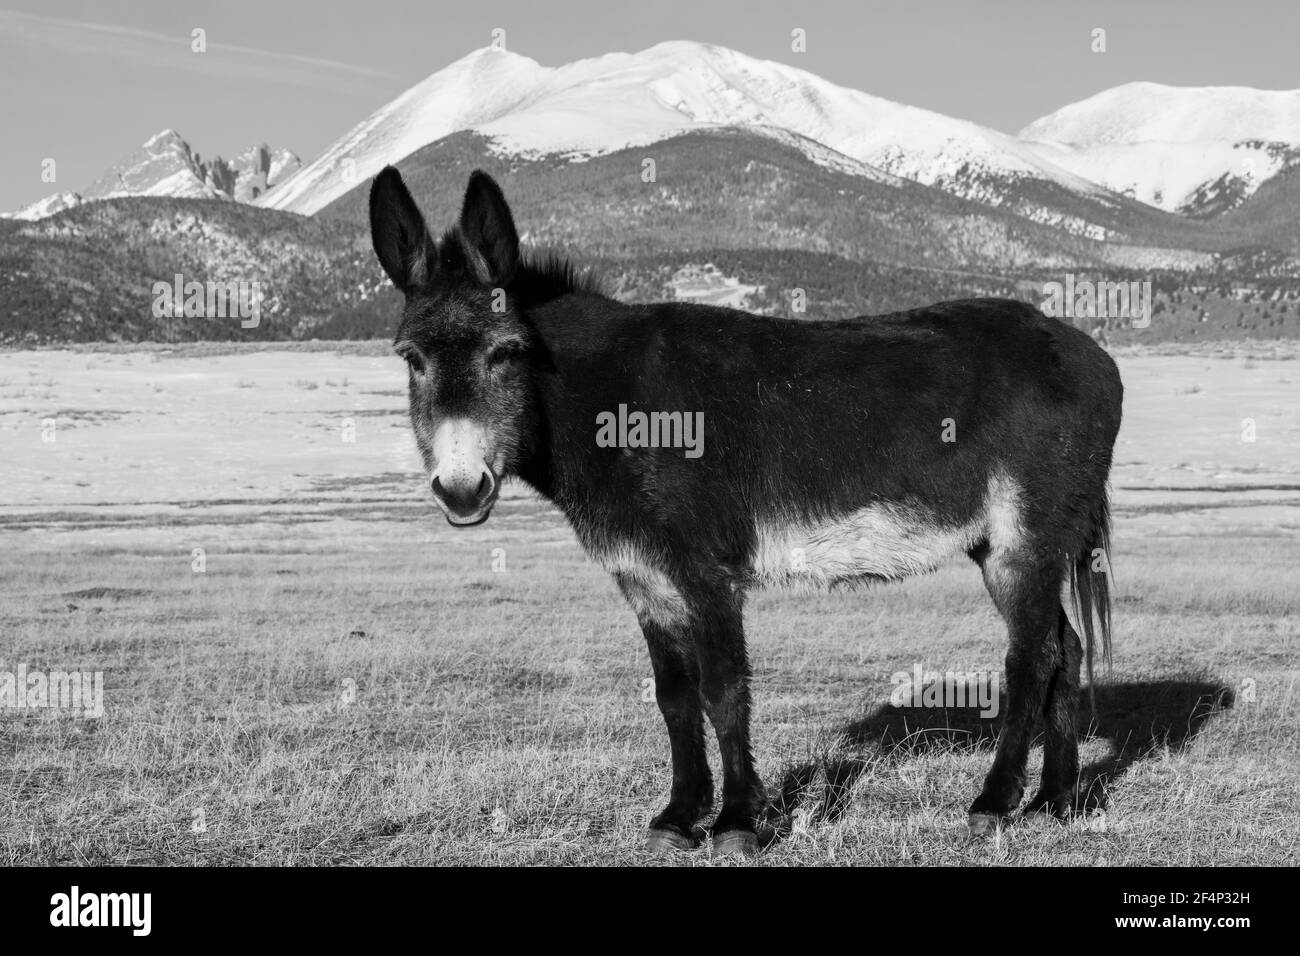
86, 81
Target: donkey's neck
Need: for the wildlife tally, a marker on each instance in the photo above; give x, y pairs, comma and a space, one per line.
583, 333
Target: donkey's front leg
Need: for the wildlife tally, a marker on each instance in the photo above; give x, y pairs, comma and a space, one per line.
665, 623
677, 683
719, 639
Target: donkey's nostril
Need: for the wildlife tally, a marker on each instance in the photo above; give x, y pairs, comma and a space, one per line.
462, 498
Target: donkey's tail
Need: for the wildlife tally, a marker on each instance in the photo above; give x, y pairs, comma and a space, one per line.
1090, 588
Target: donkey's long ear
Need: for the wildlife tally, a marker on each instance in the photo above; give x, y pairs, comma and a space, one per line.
402, 241
489, 229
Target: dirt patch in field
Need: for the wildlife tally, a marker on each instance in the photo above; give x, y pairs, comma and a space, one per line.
106, 594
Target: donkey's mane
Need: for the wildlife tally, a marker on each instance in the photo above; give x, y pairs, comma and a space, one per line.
544, 275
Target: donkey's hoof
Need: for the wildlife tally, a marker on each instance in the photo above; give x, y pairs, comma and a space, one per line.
668, 841
1060, 808
982, 825
736, 843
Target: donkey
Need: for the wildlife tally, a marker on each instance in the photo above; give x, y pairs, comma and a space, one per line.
835, 453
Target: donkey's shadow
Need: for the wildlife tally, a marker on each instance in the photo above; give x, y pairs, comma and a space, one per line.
1135, 719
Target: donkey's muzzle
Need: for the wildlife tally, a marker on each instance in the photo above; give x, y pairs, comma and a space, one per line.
465, 500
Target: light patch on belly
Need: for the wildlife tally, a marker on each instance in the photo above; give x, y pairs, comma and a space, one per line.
886, 540
653, 597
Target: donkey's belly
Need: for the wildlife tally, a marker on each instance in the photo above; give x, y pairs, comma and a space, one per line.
881, 541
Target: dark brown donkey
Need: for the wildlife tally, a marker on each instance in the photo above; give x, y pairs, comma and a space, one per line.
701, 451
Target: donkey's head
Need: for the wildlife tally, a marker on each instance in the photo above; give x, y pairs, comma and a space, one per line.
470, 353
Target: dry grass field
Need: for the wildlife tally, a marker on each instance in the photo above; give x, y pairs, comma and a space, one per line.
337, 677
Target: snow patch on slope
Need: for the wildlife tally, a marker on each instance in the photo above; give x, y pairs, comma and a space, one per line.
47, 206
707, 285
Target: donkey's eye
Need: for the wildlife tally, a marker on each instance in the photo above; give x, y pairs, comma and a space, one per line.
413, 359
502, 354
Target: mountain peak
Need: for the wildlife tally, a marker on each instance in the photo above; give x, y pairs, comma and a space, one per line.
1195, 150
1143, 111
165, 165
488, 58
166, 137
687, 48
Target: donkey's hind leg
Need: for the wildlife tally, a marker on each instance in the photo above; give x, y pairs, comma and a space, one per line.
1058, 794
1026, 587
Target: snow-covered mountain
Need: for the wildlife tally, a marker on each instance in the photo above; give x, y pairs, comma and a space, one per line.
259, 168
55, 202
600, 105
1192, 150
166, 165
1086, 169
